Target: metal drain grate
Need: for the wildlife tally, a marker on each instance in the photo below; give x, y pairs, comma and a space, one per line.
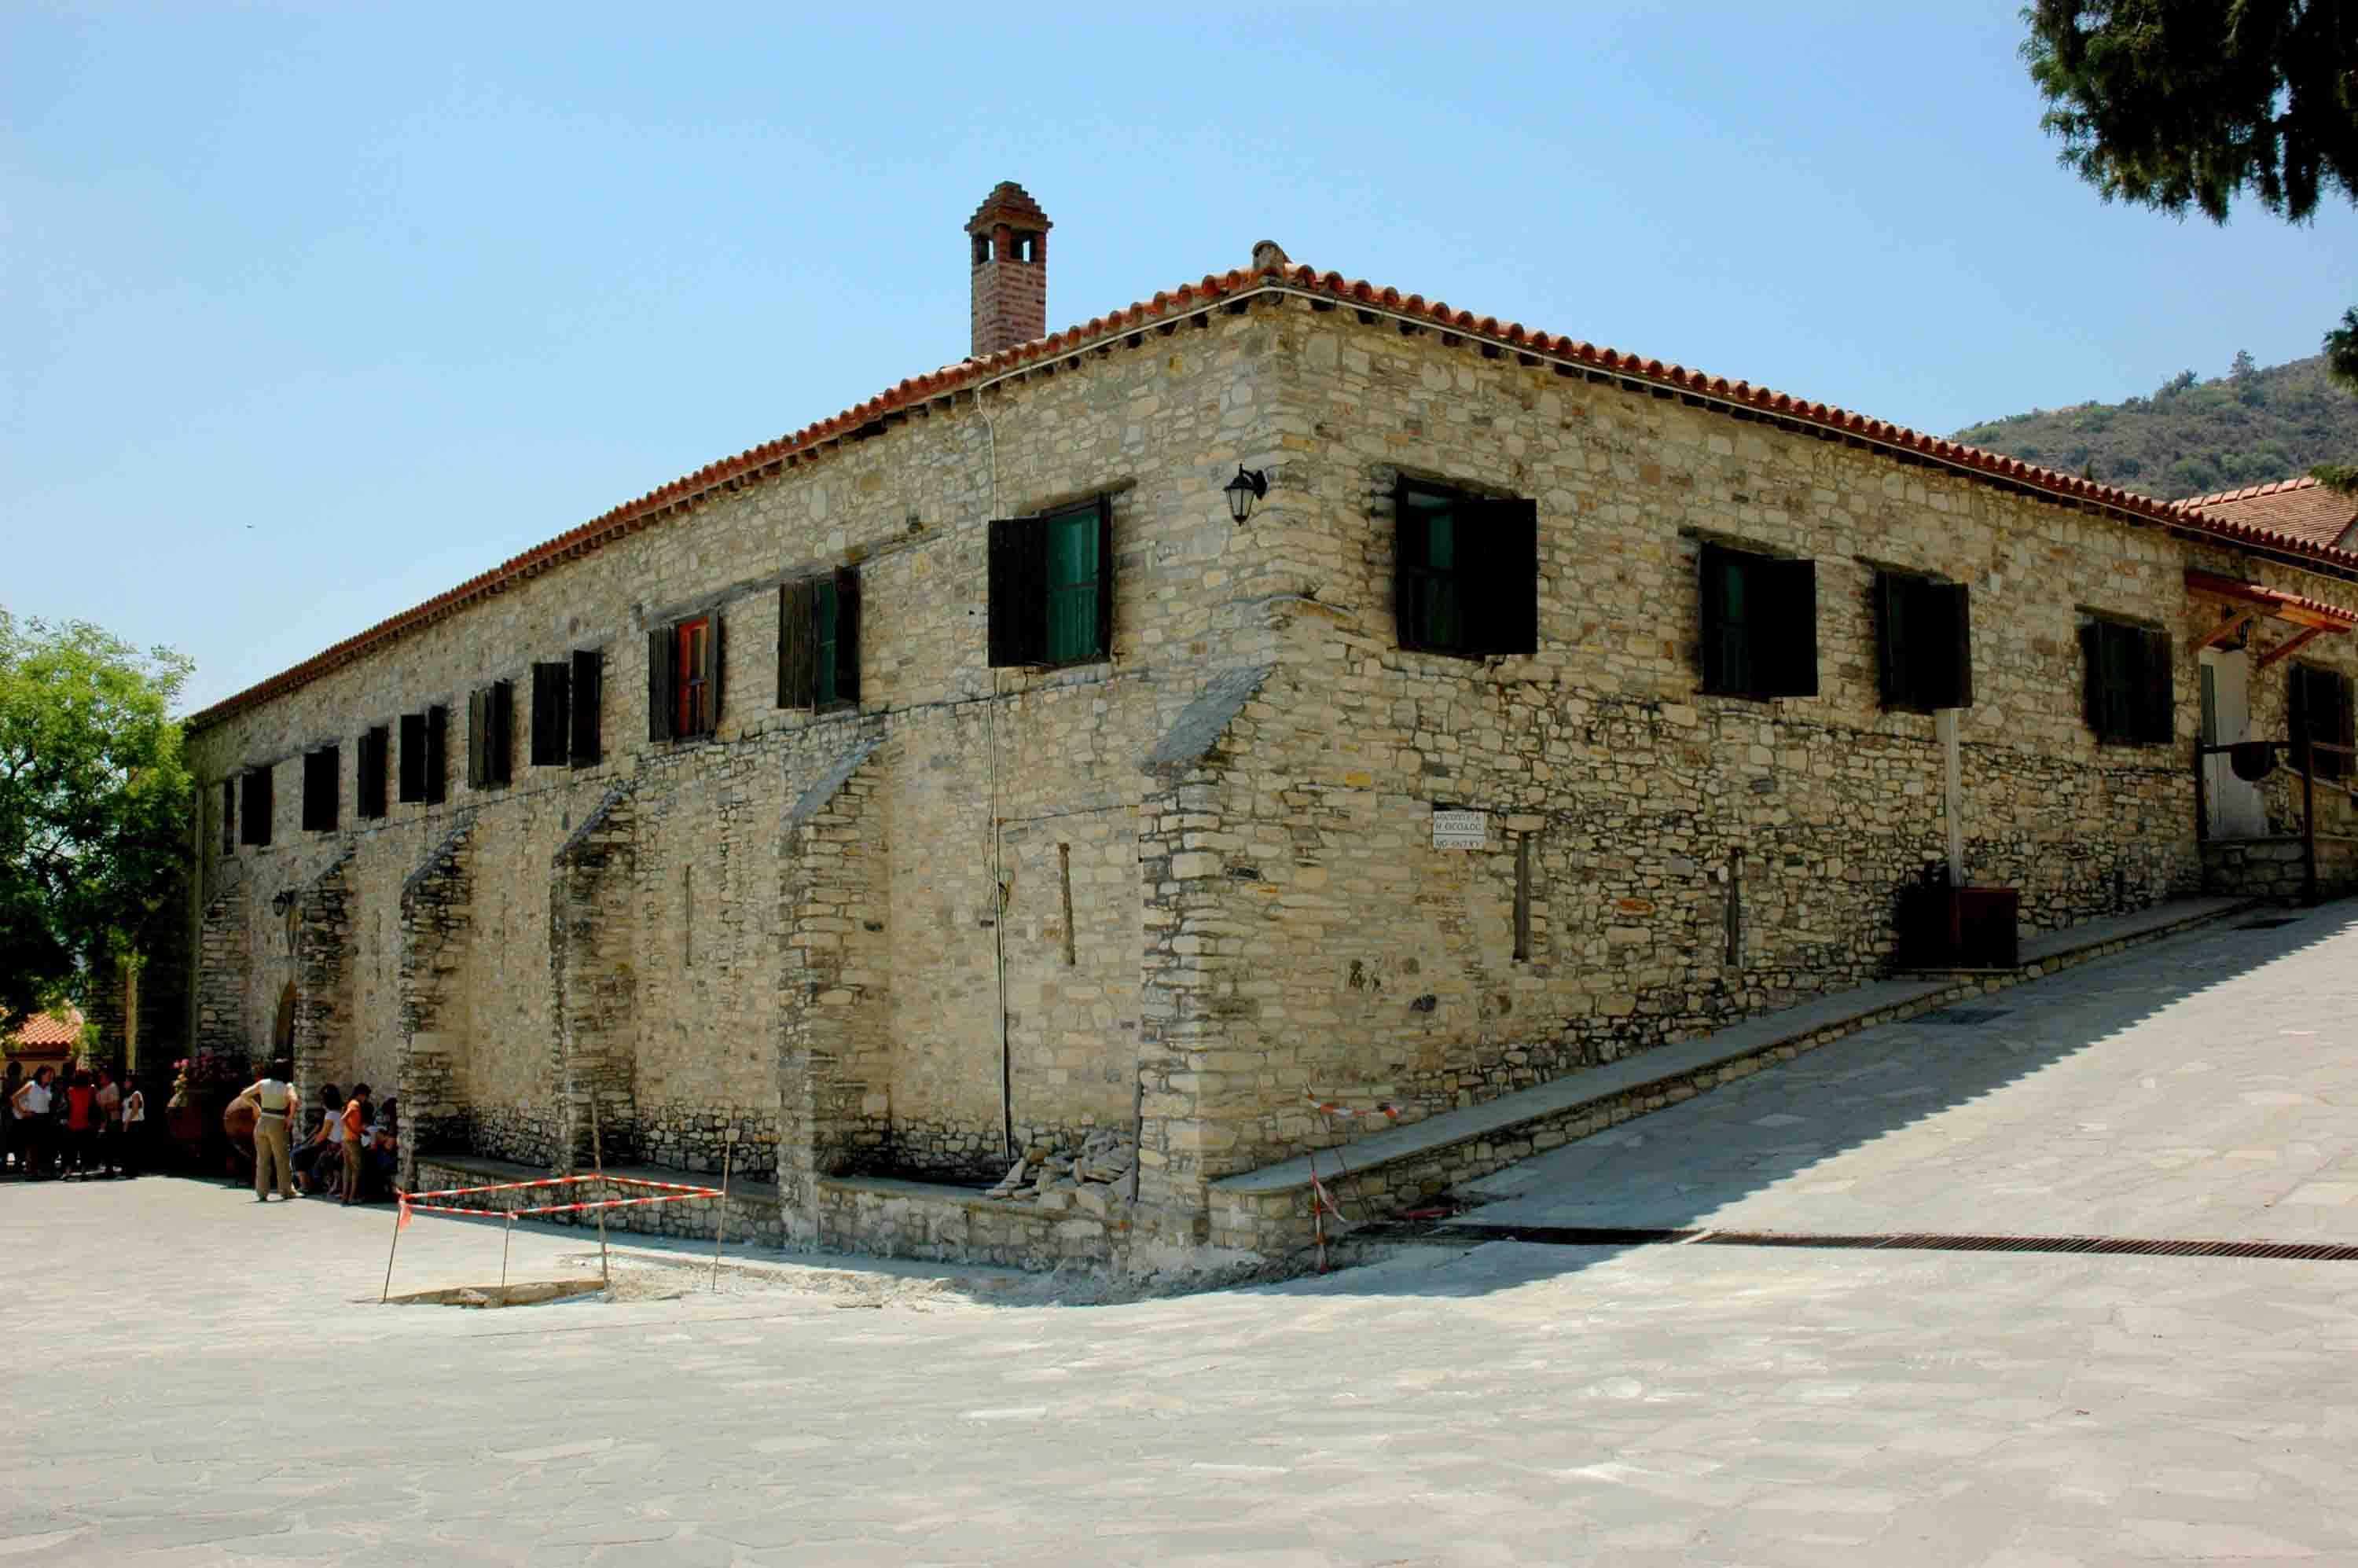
1913, 1241
1964, 1015
2268, 925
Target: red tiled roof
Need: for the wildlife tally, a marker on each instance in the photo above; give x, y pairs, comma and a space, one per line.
2301, 507
46, 1032
1168, 308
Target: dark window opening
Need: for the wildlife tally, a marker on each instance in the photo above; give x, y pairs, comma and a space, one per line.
229, 817
552, 714
1465, 576
376, 747
491, 736
1759, 624
981, 250
1052, 587
818, 641
585, 736
684, 664
2319, 710
424, 772
1923, 643
322, 771
2129, 695
254, 807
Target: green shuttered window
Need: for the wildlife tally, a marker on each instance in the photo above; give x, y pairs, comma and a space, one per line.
1466, 574
2319, 712
1052, 587
2129, 695
1759, 624
818, 641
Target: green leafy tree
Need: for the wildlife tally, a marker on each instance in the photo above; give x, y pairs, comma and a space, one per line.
2191, 104
93, 802
2178, 104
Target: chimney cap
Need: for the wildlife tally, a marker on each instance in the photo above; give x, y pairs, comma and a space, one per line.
1011, 204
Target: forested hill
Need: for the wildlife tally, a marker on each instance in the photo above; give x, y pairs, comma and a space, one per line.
2193, 437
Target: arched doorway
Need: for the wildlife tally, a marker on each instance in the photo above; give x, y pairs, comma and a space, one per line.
282, 1034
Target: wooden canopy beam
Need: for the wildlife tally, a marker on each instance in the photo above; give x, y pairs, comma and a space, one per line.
2287, 646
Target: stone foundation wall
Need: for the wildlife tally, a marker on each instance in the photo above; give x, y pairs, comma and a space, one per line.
2274, 868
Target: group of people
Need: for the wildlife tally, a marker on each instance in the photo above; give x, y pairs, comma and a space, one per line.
82, 1124
352, 1152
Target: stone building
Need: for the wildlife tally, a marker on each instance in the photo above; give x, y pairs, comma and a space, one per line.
955, 776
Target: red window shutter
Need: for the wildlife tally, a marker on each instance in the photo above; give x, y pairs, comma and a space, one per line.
660, 652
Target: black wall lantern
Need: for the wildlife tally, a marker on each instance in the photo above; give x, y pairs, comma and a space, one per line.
1248, 487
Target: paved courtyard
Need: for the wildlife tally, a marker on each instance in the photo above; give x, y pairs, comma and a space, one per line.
196, 1379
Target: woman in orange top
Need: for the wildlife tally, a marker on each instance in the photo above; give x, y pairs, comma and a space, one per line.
355, 1131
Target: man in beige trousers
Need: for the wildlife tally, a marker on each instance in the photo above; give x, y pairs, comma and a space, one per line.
275, 1105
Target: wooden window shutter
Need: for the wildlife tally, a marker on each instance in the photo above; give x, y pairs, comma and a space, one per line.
1954, 624
798, 645
1726, 659
2345, 726
1498, 566
2091, 679
478, 750
1892, 600
501, 762
552, 690
1019, 592
229, 817
709, 717
583, 745
662, 678
438, 754
1105, 577
847, 637
1408, 559
1790, 628
2156, 696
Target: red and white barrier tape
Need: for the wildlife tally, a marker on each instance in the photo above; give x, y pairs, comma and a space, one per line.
409, 1205
1383, 1108
566, 1181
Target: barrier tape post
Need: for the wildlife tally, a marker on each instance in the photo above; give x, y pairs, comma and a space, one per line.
506, 1235
385, 1294
721, 1220
598, 1154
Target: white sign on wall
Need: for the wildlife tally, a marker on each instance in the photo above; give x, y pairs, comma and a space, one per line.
1461, 829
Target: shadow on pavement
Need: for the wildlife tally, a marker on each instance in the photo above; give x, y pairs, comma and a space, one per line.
1699, 1161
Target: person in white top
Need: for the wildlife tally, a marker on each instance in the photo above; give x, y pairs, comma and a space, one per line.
30, 1106
276, 1106
135, 1128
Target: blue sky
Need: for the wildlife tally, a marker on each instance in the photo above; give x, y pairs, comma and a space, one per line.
308, 313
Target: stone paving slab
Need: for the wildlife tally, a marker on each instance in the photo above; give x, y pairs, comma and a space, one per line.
211, 1398
2203, 1087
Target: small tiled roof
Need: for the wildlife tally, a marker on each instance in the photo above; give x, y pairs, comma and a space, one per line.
1008, 204
47, 1032
2301, 507
1484, 333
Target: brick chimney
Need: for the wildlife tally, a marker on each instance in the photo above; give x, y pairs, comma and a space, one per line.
1010, 238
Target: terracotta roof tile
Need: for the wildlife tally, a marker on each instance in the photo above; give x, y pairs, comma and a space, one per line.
47, 1031
771, 457
2301, 507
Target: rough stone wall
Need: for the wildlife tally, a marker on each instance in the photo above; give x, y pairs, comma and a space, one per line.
973, 759
222, 959
1305, 939
322, 1048
436, 906
592, 902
